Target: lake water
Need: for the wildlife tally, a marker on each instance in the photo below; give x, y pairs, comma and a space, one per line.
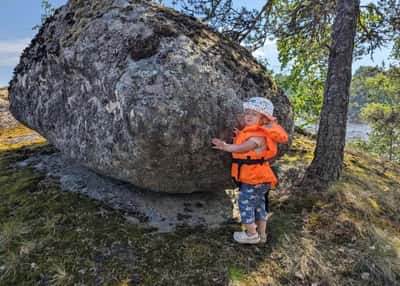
357, 131
354, 131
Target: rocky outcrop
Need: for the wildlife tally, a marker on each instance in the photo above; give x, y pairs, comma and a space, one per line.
136, 91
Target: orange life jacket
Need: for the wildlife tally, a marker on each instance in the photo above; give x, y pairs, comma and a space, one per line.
251, 167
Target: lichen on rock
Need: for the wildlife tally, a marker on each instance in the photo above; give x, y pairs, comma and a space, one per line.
136, 91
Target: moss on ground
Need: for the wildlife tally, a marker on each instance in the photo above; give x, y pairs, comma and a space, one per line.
4, 96
15, 137
348, 235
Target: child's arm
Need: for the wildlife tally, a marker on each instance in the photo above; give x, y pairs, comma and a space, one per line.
234, 148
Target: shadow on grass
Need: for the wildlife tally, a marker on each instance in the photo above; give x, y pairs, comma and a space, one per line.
52, 237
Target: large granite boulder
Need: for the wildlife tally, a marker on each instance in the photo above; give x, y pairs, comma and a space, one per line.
136, 91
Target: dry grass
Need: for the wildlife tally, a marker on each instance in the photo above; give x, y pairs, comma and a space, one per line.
348, 235
3, 96
16, 137
60, 276
11, 231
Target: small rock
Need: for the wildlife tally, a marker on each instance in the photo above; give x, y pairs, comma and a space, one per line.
24, 250
365, 276
299, 275
132, 219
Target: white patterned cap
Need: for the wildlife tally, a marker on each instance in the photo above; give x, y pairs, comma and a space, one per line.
259, 104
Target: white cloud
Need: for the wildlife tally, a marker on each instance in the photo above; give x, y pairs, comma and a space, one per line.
269, 42
10, 51
268, 49
269, 52
260, 53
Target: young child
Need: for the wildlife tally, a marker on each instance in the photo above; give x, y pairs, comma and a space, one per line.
251, 149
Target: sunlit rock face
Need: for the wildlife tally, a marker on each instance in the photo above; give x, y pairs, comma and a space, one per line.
136, 91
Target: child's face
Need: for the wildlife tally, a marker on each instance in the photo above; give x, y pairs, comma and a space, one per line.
252, 117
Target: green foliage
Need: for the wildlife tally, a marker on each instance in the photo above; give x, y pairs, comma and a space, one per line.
395, 55
383, 113
385, 86
373, 85
305, 92
303, 33
378, 94
236, 273
385, 122
48, 10
360, 93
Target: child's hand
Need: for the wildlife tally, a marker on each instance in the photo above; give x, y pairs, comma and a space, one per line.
236, 131
270, 117
218, 144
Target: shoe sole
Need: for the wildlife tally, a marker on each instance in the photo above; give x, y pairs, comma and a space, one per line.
247, 242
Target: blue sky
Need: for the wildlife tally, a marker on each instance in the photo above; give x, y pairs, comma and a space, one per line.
17, 17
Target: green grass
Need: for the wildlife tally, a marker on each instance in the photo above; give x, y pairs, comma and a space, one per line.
348, 235
236, 274
66, 239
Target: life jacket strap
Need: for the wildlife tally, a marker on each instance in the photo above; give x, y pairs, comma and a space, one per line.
247, 161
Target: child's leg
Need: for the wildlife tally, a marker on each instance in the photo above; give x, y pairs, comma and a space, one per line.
261, 215
246, 203
251, 228
261, 227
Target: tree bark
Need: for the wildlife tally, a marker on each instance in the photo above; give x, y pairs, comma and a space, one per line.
328, 155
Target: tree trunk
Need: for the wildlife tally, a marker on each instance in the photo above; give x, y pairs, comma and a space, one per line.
328, 155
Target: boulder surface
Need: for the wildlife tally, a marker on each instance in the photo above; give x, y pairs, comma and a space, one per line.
136, 91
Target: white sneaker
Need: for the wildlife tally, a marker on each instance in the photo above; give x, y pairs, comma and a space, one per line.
263, 238
243, 237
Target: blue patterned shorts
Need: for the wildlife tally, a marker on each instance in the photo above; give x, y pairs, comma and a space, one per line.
252, 202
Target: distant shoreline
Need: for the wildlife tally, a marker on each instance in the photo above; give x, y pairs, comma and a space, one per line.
354, 130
